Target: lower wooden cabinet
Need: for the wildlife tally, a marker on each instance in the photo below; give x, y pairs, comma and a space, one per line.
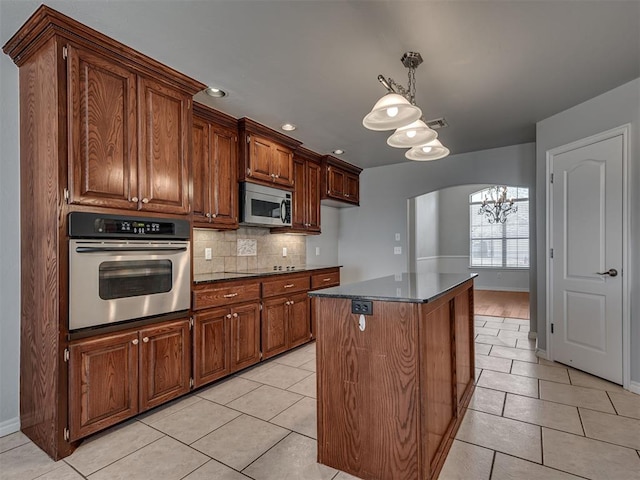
225, 340
285, 323
115, 376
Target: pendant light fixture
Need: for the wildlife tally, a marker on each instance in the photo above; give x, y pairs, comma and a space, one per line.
397, 110
429, 151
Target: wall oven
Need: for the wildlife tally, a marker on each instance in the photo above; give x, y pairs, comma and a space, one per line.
264, 206
126, 268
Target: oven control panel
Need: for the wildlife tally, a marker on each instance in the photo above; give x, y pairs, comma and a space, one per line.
95, 225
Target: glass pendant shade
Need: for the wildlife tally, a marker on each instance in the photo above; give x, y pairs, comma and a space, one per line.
429, 151
412, 135
390, 112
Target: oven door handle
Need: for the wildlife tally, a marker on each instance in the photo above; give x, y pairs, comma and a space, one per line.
129, 249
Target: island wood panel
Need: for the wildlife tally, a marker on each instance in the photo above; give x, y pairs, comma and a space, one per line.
377, 435
438, 377
464, 352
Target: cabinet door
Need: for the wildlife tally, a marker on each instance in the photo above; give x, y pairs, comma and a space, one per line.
335, 182
224, 161
212, 354
245, 336
282, 165
103, 383
201, 204
260, 153
313, 196
352, 187
299, 214
299, 324
102, 131
164, 144
165, 358
274, 326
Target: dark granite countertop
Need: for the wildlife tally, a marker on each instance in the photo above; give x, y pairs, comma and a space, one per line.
403, 287
261, 272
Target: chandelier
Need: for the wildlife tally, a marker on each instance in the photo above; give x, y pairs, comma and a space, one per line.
496, 206
397, 110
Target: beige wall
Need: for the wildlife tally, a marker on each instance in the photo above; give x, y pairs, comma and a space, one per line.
224, 249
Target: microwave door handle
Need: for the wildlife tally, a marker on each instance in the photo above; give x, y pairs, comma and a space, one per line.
129, 249
283, 210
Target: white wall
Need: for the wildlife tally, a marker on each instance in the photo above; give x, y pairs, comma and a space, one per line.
367, 233
327, 241
427, 225
604, 112
9, 244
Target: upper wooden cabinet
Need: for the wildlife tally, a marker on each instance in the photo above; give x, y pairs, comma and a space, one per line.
215, 166
306, 193
266, 156
340, 182
128, 142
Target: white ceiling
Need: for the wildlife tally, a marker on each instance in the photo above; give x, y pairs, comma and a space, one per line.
492, 68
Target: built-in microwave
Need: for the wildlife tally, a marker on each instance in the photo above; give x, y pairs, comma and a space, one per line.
264, 206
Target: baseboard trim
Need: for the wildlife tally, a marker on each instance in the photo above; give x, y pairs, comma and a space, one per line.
541, 353
634, 387
9, 426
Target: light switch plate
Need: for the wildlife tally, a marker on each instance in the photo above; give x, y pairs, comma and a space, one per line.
317, 251
284, 251
397, 250
397, 237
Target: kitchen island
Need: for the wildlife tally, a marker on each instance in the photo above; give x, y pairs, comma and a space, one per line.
395, 363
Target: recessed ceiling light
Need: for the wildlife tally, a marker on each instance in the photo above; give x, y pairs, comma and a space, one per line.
338, 151
288, 127
215, 92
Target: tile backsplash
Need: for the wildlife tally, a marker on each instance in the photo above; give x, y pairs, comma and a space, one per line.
245, 249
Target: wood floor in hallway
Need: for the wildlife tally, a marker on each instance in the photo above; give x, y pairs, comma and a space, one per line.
501, 304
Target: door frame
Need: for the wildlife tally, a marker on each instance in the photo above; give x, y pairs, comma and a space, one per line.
626, 221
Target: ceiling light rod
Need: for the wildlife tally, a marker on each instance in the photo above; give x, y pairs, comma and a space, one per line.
411, 60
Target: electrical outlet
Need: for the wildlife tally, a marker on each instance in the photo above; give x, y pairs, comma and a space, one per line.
317, 251
397, 237
207, 253
362, 307
397, 250
284, 251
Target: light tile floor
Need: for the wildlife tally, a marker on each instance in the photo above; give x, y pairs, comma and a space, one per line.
529, 419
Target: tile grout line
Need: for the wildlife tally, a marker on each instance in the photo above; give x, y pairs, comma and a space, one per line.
545, 466
493, 462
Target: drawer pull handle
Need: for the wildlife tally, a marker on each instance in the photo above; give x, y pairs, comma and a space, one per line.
231, 295
289, 285
326, 280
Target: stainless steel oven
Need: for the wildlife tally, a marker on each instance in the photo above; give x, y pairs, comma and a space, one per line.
126, 268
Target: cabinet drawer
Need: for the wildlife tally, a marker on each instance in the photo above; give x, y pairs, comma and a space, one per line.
285, 286
225, 294
325, 280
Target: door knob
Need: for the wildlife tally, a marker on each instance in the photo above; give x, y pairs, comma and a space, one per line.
612, 272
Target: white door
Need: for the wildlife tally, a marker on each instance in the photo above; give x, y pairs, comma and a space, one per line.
586, 269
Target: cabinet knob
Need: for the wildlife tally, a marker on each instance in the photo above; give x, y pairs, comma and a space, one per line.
277, 176
346, 195
291, 302
273, 175
213, 215
235, 315
287, 302
145, 339
208, 215
145, 200
228, 315
134, 199
134, 341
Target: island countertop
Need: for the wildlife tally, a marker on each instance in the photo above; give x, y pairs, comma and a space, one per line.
402, 287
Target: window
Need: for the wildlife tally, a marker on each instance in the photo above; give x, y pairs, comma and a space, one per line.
501, 245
